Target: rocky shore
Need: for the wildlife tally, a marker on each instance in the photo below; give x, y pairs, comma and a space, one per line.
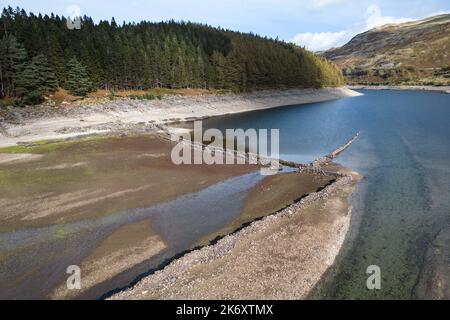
282, 256
40, 123
440, 89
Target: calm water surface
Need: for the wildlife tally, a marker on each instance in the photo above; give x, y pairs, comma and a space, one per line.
181, 223
404, 200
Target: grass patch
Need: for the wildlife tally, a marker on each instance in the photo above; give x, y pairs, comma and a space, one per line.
62, 232
45, 146
5, 102
34, 181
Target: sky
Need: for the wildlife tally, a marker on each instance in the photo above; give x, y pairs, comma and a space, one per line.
316, 24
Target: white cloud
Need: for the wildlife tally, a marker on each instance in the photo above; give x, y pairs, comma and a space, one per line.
319, 4
437, 13
318, 41
375, 18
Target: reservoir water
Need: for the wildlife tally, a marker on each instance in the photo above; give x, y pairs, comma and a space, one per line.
401, 220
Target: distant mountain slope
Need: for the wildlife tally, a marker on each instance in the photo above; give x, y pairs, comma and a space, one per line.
411, 52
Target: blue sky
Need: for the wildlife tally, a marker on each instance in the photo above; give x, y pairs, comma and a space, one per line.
316, 24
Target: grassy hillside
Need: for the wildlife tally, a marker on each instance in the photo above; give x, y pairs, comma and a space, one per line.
415, 52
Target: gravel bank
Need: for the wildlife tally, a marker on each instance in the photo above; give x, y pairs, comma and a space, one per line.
282, 256
441, 89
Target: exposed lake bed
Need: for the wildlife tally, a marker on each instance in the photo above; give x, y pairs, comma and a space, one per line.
282, 256
118, 207
400, 209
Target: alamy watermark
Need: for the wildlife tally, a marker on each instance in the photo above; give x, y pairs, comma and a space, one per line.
374, 280
73, 282
74, 19
249, 146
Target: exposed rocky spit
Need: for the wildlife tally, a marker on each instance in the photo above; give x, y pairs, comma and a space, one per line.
172, 279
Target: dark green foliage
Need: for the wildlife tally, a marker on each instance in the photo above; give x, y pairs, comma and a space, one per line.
46, 75
36, 80
357, 72
443, 72
168, 54
77, 82
12, 58
145, 96
28, 85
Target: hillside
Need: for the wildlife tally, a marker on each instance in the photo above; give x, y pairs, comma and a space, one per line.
146, 55
415, 52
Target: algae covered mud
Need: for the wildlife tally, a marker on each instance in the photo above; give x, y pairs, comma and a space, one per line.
402, 207
118, 208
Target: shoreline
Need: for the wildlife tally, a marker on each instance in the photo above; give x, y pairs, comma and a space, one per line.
103, 251
443, 89
87, 199
306, 244
230, 104
126, 115
310, 232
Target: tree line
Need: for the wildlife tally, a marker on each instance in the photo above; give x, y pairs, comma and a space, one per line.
39, 53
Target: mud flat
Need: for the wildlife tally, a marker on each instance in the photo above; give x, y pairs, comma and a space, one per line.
20, 157
112, 206
71, 202
56, 182
47, 123
128, 246
272, 194
282, 256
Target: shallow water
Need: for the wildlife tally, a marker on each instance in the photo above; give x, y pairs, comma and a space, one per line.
44, 253
404, 200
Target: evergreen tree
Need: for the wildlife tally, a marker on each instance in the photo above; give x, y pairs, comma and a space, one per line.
12, 59
47, 78
28, 86
78, 82
147, 55
36, 80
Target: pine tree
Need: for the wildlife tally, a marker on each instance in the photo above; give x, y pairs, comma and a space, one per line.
147, 55
233, 73
12, 58
78, 82
46, 75
36, 80
218, 61
29, 85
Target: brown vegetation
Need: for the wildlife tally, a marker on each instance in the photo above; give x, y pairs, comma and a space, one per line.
412, 53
